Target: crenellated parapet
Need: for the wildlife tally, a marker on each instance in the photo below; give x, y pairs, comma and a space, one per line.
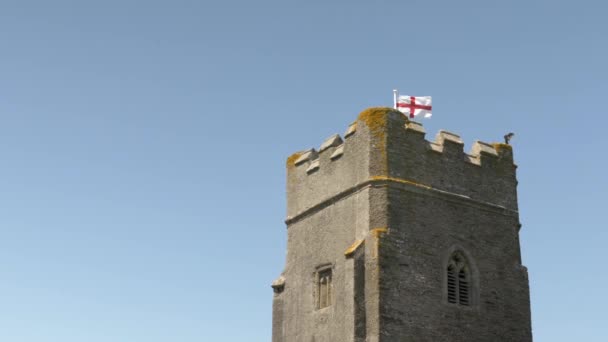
317, 174
485, 174
382, 145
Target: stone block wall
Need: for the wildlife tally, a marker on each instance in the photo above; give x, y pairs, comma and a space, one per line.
383, 208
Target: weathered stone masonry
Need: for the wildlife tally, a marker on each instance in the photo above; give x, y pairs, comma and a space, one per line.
378, 224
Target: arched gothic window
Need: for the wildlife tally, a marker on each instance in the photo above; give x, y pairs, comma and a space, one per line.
459, 280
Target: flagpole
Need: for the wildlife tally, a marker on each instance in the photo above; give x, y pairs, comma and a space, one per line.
395, 98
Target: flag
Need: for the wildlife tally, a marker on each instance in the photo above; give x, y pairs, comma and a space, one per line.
415, 106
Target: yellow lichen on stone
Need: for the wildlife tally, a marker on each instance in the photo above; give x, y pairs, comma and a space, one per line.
399, 180
376, 232
351, 250
499, 147
375, 120
291, 161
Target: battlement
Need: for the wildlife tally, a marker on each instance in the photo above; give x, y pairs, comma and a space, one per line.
383, 146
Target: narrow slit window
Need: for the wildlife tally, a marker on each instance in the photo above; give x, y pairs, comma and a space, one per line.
458, 277
324, 288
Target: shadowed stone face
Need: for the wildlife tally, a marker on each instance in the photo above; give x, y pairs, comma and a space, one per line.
395, 238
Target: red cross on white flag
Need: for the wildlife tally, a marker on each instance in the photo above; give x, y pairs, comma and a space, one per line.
414, 106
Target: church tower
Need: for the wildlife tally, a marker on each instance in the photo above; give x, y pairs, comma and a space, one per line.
392, 238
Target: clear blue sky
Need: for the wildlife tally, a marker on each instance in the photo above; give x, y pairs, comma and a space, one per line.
143, 144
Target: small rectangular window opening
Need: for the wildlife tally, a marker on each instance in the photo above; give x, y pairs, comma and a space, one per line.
324, 288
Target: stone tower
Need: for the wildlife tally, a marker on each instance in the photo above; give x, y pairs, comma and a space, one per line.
392, 238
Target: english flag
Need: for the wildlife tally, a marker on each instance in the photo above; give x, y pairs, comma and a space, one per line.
415, 106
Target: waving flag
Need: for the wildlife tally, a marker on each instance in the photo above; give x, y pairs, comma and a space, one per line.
414, 106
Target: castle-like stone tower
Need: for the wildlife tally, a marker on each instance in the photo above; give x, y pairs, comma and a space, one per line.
392, 238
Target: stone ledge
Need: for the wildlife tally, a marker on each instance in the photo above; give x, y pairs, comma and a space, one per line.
353, 248
334, 140
306, 156
337, 153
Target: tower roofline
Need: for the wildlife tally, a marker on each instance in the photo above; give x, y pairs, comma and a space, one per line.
376, 119
382, 142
